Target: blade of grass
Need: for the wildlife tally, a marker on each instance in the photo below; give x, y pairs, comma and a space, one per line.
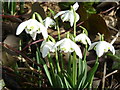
68, 86
69, 64
91, 73
59, 82
22, 7
45, 67
47, 72
13, 7
74, 70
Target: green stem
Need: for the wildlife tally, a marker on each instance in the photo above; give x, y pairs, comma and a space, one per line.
21, 7
84, 67
85, 52
33, 16
61, 59
74, 23
58, 29
57, 61
50, 61
13, 8
74, 69
69, 64
95, 68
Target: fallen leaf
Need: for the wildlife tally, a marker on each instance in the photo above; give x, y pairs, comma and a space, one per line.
96, 24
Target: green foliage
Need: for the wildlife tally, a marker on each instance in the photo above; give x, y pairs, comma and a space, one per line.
89, 7
116, 59
59, 71
64, 5
9, 8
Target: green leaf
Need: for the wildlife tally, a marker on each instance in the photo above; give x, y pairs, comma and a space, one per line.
59, 81
84, 30
44, 66
64, 5
82, 74
38, 17
13, 7
89, 7
85, 73
69, 79
80, 80
47, 72
114, 57
53, 13
38, 59
91, 74
68, 86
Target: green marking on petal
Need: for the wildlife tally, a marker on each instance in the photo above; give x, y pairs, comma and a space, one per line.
105, 50
32, 27
71, 48
64, 49
108, 47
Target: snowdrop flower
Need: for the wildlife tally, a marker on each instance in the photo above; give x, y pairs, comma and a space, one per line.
46, 47
32, 27
49, 22
83, 38
101, 47
68, 15
66, 45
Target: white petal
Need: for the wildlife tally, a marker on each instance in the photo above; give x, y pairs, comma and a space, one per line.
33, 21
112, 49
77, 17
21, 27
33, 25
83, 38
41, 27
65, 17
100, 49
88, 40
77, 49
78, 37
60, 13
59, 42
45, 51
48, 22
45, 34
43, 30
75, 6
72, 17
46, 48
43, 43
33, 35
66, 46
92, 45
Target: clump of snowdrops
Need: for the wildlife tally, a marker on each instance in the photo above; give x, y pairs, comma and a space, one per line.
74, 74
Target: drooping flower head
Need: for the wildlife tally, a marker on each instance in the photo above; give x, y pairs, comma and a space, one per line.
66, 45
68, 15
83, 38
101, 47
32, 27
46, 47
49, 22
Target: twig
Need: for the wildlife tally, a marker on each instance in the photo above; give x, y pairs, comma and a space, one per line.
110, 9
117, 86
31, 44
111, 73
116, 36
20, 53
104, 73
